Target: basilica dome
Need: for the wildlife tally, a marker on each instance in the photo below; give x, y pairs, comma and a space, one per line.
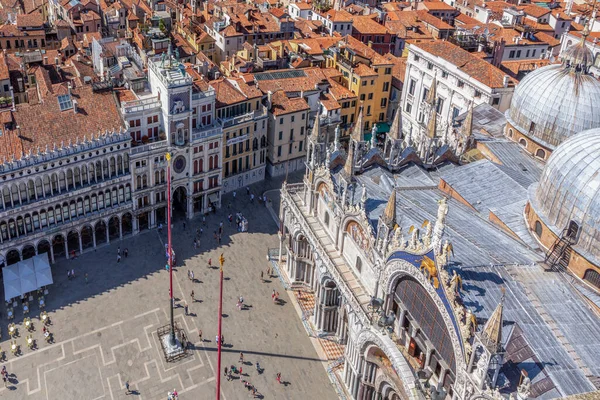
569, 191
553, 103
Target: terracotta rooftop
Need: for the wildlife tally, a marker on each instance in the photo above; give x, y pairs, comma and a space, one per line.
365, 24
338, 16
362, 70
282, 104
328, 102
535, 11
306, 82
466, 62
4, 74
230, 91
302, 6
97, 112
34, 19
435, 5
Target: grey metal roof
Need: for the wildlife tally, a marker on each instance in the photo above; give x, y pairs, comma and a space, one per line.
512, 216
569, 190
561, 333
484, 185
511, 155
558, 102
486, 119
531, 295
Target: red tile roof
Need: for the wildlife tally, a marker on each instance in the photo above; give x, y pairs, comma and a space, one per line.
466, 62
97, 112
282, 104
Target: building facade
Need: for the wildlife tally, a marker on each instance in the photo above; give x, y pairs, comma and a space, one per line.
66, 200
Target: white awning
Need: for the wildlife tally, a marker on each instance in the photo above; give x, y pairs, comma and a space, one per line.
26, 276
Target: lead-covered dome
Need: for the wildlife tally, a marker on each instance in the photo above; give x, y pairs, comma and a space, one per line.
553, 103
569, 190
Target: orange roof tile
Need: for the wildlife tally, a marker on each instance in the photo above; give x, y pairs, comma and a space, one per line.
97, 112
366, 25
535, 11
466, 62
282, 104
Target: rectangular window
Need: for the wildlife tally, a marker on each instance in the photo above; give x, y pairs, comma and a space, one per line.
279, 151
386, 86
370, 96
290, 148
300, 146
383, 102
533, 52
460, 83
411, 86
293, 118
280, 135
495, 101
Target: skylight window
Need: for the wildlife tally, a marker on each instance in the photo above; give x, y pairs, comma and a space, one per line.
65, 102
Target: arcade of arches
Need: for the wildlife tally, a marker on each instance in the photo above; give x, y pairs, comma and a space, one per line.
75, 241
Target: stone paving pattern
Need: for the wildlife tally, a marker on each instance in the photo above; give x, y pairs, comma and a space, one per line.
105, 330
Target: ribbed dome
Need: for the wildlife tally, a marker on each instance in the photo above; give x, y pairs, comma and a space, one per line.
569, 190
558, 101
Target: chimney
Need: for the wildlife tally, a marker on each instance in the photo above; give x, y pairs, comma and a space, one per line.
505, 80
269, 99
70, 87
45, 60
55, 60
74, 106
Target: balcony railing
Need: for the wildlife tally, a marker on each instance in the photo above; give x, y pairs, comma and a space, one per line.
232, 121
206, 132
148, 147
134, 106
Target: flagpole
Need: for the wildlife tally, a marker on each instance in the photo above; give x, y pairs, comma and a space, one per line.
220, 342
169, 248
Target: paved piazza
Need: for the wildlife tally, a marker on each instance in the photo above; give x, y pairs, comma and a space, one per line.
105, 331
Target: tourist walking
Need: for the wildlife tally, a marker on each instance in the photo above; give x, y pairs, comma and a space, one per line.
234, 194
119, 250
185, 307
127, 388
210, 263
126, 252
241, 358
279, 377
204, 220
200, 335
192, 296
262, 276
118, 258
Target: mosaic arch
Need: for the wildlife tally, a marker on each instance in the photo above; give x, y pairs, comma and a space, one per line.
357, 233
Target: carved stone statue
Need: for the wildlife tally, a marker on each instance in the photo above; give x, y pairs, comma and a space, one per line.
414, 239
363, 198
482, 364
455, 284
524, 389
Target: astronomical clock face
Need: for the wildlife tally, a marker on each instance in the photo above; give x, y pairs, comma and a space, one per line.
179, 164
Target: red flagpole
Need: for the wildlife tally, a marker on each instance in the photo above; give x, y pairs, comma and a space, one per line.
220, 342
169, 248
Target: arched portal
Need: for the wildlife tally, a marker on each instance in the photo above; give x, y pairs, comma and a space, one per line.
180, 202
44, 247
73, 242
13, 257
87, 237
114, 228
28, 252
126, 220
100, 230
58, 246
